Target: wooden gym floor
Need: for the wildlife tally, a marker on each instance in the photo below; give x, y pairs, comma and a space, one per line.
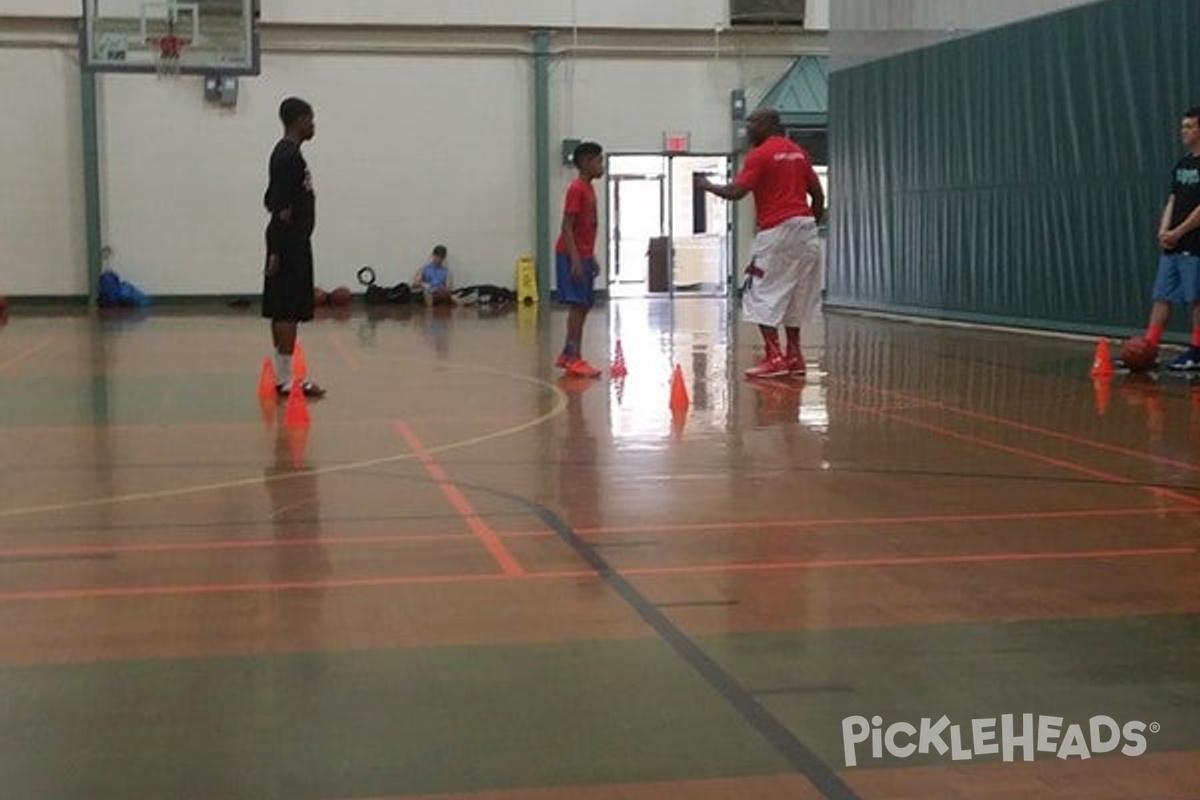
470, 579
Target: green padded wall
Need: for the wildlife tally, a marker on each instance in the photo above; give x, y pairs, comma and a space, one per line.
1015, 176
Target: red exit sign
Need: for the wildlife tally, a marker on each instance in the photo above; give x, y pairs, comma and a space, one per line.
677, 142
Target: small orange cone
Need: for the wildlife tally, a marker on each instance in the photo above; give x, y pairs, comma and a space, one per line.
270, 407
296, 415
297, 439
618, 369
678, 423
1102, 364
1103, 388
679, 393
299, 365
267, 380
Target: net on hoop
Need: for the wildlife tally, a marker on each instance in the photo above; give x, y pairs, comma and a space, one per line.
170, 53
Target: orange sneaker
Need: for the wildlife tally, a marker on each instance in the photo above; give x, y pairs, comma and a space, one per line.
582, 369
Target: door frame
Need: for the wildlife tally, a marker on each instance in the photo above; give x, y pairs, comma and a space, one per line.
614, 189
667, 222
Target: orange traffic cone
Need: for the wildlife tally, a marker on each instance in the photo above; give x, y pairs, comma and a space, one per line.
679, 393
1103, 388
267, 380
296, 415
299, 365
1102, 364
618, 369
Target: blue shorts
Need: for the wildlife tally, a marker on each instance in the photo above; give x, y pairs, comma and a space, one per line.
569, 290
1178, 279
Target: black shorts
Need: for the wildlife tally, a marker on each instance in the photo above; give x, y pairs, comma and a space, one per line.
288, 293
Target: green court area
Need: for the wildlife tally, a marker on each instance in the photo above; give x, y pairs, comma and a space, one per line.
390, 723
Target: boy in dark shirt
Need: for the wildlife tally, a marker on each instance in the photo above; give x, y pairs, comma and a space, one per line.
288, 276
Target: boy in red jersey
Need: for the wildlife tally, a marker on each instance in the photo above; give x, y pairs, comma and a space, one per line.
784, 277
575, 257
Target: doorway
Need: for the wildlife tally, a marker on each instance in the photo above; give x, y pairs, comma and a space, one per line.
665, 237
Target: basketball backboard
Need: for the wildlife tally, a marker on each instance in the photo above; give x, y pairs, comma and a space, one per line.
211, 36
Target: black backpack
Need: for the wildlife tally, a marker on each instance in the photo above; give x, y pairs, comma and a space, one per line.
383, 295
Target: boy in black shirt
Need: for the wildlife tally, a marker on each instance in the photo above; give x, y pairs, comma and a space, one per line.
1178, 278
288, 276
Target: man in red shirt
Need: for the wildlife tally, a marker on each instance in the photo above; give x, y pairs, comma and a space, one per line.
784, 277
575, 257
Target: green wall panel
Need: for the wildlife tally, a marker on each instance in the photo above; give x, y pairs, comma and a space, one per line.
1016, 175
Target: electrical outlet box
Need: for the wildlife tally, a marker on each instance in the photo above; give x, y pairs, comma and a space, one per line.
221, 89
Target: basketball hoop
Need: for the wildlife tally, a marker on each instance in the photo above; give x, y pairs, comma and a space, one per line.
170, 52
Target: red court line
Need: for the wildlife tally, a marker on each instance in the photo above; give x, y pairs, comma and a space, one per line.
138, 427
347, 357
249, 588
908, 561
931, 519
1060, 463
426, 580
1047, 432
27, 354
225, 545
478, 526
419, 538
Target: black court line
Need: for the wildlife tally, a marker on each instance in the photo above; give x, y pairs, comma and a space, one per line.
786, 743
697, 604
778, 735
808, 688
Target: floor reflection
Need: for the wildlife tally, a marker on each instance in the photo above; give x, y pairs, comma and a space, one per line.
300, 559
701, 336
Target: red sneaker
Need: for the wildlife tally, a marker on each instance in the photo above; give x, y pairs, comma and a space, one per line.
796, 365
562, 361
769, 367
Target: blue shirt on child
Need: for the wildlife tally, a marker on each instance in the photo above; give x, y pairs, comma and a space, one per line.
435, 277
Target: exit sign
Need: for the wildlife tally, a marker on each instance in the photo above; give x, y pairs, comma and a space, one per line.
677, 142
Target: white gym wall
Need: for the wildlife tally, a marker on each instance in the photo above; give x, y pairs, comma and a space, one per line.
424, 135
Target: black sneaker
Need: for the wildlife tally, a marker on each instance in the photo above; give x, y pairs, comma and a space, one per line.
309, 388
1187, 361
